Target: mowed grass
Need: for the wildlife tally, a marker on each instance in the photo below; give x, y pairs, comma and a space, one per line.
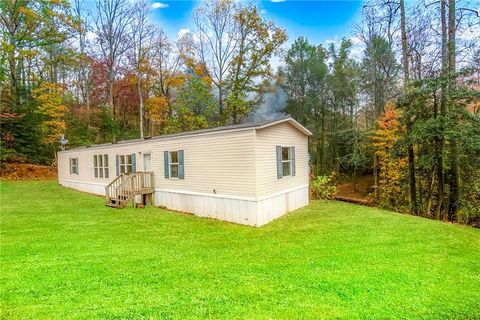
65, 255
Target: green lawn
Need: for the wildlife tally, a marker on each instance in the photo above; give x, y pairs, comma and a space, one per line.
65, 255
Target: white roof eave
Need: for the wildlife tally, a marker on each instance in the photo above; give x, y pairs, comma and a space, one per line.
294, 122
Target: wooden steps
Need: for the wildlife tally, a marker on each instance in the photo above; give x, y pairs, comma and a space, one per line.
126, 187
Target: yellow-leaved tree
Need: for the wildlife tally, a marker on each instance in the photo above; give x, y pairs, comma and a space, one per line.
392, 178
50, 99
157, 109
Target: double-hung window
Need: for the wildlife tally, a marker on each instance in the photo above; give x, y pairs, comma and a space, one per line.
285, 161
173, 164
125, 163
73, 165
100, 166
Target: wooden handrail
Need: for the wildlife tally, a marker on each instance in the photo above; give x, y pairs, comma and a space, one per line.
110, 189
127, 185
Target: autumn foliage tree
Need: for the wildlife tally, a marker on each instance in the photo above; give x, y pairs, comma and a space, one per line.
33, 50
235, 43
258, 40
391, 166
194, 106
49, 97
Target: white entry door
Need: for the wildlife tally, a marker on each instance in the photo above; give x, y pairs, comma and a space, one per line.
147, 162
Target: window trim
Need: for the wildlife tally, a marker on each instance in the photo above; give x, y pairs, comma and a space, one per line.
171, 163
103, 171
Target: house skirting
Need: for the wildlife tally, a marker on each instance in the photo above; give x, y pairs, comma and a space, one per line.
252, 211
85, 186
243, 210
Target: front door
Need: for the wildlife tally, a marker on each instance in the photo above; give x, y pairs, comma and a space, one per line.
147, 162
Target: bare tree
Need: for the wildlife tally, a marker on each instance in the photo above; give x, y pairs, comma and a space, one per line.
453, 195
83, 74
377, 32
167, 60
423, 50
217, 34
113, 21
406, 79
403, 29
141, 34
440, 141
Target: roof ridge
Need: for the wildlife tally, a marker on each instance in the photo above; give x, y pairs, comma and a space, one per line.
247, 125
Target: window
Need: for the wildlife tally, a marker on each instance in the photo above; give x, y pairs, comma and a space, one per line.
73, 165
125, 163
173, 164
100, 166
286, 161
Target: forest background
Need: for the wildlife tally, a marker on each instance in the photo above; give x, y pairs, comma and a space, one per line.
405, 113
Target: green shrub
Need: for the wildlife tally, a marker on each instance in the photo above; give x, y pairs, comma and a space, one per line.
469, 211
322, 187
9, 154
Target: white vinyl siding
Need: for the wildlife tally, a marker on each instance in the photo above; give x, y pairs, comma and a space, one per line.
223, 162
240, 163
284, 135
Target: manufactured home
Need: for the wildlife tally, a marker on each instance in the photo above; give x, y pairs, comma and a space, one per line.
248, 173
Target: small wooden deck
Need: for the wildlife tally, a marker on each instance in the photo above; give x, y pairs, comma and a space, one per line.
127, 186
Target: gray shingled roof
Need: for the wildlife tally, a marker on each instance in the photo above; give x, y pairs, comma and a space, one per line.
247, 125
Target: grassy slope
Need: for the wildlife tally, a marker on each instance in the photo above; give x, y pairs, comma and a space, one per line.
64, 255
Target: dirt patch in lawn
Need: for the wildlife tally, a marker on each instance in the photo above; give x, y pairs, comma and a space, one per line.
359, 191
25, 171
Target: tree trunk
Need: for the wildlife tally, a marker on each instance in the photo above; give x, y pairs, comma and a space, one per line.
111, 106
220, 98
333, 164
19, 90
439, 142
110, 94
430, 196
14, 90
322, 140
453, 196
87, 98
318, 160
140, 105
411, 154
411, 174
376, 175
404, 43
438, 164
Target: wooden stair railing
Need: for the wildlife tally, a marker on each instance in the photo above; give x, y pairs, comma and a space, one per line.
126, 186
111, 188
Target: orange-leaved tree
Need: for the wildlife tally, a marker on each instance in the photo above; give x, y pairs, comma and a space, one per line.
157, 109
392, 166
